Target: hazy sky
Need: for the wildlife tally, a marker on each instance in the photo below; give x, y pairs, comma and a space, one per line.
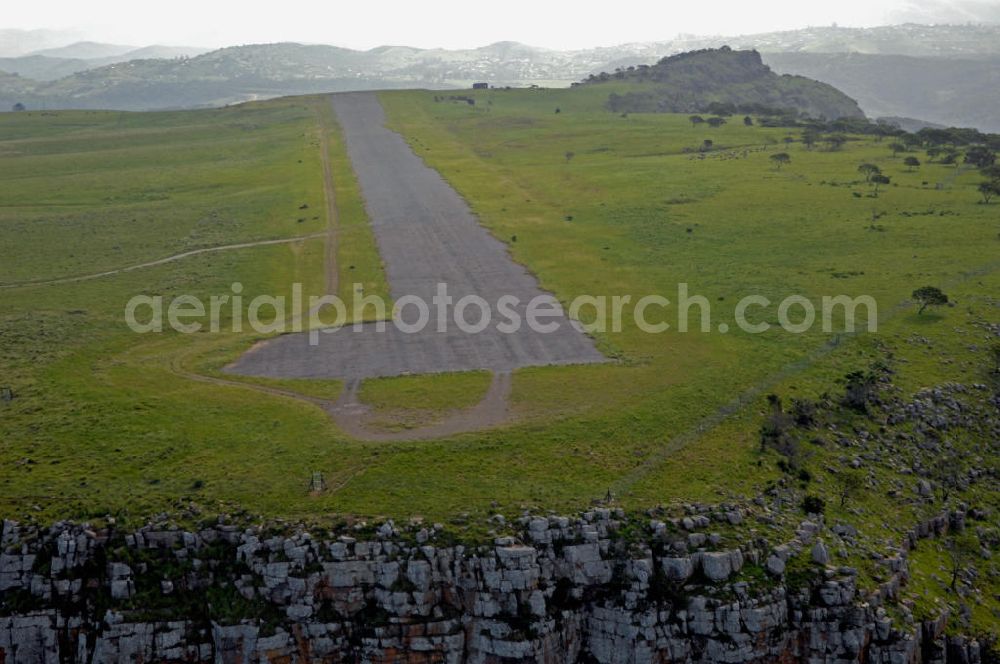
464, 23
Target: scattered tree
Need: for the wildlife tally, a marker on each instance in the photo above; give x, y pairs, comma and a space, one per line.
707, 144
961, 549
911, 163
748, 121
809, 138
935, 137
696, 120
18, 107
780, 159
804, 413
835, 141
813, 505
995, 353
774, 432
860, 390
929, 296
776, 423
980, 156
569, 156
896, 148
988, 190
991, 172
869, 170
878, 180
716, 122
849, 485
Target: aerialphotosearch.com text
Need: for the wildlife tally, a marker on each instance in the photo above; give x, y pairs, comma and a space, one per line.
652, 313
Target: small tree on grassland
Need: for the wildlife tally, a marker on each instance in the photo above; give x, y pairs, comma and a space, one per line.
896, 148
988, 190
849, 485
995, 356
980, 156
878, 180
962, 548
911, 163
809, 138
716, 122
775, 431
868, 170
780, 159
929, 296
861, 389
835, 141
696, 120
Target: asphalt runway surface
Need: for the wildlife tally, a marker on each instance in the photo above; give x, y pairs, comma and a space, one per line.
426, 235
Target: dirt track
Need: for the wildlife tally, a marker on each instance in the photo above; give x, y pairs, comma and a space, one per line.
426, 235
332, 219
161, 261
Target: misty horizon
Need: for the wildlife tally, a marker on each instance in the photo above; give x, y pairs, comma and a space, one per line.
447, 24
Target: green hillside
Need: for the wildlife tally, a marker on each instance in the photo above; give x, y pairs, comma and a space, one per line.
692, 82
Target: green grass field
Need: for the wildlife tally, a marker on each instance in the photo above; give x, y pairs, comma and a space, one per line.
645, 216
109, 422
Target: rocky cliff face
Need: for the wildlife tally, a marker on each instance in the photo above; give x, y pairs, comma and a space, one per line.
692, 584
562, 590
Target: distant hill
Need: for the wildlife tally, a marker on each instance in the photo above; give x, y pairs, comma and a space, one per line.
15, 42
943, 41
242, 73
957, 93
43, 68
152, 77
161, 51
50, 68
19, 88
937, 41
85, 50
692, 82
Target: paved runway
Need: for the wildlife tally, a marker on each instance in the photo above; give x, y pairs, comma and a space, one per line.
426, 235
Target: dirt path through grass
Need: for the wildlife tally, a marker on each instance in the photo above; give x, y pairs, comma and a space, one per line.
162, 261
354, 417
330, 256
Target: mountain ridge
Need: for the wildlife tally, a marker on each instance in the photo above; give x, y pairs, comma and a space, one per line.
239, 73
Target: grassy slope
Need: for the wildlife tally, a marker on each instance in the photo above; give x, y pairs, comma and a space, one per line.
101, 422
109, 428
410, 401
633, 196
646, 216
